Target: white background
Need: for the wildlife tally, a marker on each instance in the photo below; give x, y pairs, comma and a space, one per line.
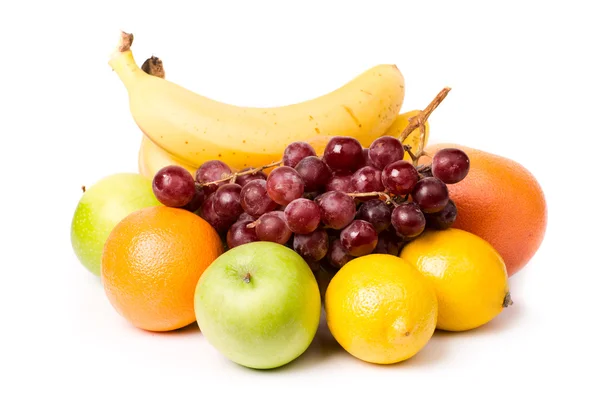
525, 86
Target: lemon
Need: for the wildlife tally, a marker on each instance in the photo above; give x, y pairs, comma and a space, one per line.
380, 309
468, 275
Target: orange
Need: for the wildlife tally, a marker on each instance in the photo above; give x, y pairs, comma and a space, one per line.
501, 202
151, 264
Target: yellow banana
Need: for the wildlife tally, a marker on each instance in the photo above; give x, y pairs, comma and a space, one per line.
152, 158
196, 129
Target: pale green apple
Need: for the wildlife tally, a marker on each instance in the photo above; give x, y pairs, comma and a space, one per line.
101, 207
259, 305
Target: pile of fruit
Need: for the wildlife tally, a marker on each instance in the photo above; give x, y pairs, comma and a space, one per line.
249, 220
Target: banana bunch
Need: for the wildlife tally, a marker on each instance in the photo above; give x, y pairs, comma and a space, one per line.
184, 128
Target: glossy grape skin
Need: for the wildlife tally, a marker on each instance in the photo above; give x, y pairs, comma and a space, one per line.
388, 243
284, 184
271, 227
337, 209
196, 202
366, 179
212, 170
431, 194
400, 177
314, 172
377, 213
246, 178
254, 198
337, 256
408, 220
340, 182
207, 212
450, 165
343, 154
240, 234
302, 216
173, 186
385, 150
312, 246
227, 201
444, 218
359, 238
295, 152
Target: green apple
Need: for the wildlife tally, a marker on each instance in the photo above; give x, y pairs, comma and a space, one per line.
259, 305
101, 207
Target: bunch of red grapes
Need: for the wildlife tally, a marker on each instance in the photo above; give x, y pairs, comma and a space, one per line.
350, 202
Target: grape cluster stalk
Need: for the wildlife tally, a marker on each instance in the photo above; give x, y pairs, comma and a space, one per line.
349, 202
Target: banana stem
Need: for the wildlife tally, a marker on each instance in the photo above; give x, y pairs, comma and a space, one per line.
125, 42
154, 66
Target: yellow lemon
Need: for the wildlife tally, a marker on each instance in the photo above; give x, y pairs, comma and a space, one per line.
468, 275
380, 309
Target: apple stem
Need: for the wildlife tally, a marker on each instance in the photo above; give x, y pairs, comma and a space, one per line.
247, 277
83, 188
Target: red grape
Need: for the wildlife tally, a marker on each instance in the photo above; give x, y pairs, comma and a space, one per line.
302, 216
343, 153
196, 202
173, 186
367, 179
340, 182
385, 150
444, 218
246, 178
284, 184
376, 212
314, 172
450, 165
240, 234
388, 243
408, 220
227, 201
271, 227
245, 217
337, 255
312, 246
212, 170
254, 198
431, 194
400, 177
359, 238
337, 209
295, 152
207, 212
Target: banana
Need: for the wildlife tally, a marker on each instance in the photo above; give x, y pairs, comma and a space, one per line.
152, 158
196, 129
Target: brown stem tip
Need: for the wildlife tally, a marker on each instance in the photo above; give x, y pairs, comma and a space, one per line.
507, 301
125, 41
154, 66
247, 277
83, 188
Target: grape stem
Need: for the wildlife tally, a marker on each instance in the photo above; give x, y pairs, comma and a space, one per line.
388, 198
233, 176
419, 120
